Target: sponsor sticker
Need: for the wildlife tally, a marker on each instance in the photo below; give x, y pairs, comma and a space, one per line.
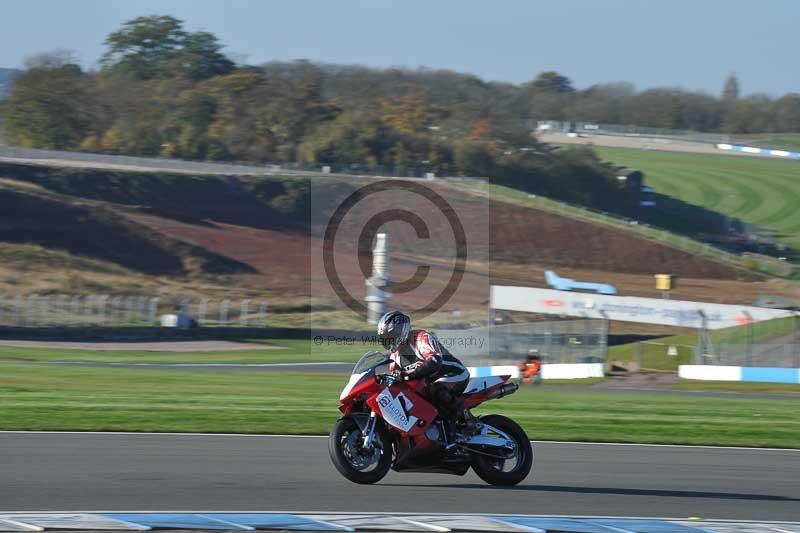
395, 409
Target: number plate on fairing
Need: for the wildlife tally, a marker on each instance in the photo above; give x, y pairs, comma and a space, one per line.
395, 409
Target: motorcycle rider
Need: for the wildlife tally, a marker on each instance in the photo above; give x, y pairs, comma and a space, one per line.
417, 354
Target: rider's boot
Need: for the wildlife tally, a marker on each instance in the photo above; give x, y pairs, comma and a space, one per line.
451, 434
470, 422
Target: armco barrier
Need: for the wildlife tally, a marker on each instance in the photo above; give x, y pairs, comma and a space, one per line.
572, 371
758, 151
486, 371
549, 371
740, 373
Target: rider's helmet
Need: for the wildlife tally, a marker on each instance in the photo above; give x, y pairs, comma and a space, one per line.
393, 330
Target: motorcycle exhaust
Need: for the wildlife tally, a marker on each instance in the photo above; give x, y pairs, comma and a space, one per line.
505, 390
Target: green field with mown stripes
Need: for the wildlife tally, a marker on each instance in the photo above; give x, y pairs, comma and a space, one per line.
757, 190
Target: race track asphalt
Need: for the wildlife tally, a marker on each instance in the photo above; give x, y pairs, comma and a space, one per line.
70, 472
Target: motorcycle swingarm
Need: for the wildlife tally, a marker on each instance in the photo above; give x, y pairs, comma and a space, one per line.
487, 445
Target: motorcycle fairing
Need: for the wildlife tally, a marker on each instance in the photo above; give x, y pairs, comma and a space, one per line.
396, 410
399, 404
480, 384
479, 389
354, 380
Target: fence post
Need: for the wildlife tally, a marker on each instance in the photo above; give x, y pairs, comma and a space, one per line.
31, 310
152, 311
76, 307
639, 355
102, 308
18, 313
62, 310
223, 311
142, 309
130, 306
106, 306
750, 338
88, 309
796, 343
44, 307
262, 313
201, 311
243, 310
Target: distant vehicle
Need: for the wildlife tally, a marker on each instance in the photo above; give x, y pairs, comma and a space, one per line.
566, 284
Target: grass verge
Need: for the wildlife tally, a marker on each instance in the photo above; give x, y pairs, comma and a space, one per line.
282, 351
35, 396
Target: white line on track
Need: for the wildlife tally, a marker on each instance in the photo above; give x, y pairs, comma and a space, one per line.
282, 436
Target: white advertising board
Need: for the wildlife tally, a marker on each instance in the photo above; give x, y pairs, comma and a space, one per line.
628, 308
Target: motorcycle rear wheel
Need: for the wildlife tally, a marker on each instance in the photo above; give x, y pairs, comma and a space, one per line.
352, 461
493, 471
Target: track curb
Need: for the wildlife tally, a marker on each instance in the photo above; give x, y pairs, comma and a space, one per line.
355, 522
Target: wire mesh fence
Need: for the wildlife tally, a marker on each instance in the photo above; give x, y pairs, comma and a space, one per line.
557, 341
663, 356
774, 355
596, 128
771, 343
70, 310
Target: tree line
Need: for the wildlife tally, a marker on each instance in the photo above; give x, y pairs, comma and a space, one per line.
161, 90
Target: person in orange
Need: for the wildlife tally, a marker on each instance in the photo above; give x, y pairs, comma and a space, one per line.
531, 368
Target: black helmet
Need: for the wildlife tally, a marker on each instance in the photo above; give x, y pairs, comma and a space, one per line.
393, 330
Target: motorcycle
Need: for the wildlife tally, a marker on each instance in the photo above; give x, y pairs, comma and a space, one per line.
390, 423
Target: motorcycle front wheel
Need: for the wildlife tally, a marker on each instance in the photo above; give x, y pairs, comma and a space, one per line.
505, 471
352, 460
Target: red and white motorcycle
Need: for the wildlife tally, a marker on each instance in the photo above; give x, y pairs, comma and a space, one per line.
390, 423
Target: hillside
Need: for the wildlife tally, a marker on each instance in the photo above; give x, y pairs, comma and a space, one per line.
182, 236
759, 191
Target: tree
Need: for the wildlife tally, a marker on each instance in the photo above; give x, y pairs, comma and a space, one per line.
143, 47
200, 57
48, 105
51, 60
353, 138
407, 113
552, 82
786, 113
186, 130
730, 91
158, 47
748, 115
549, 96
474, 159
602, 103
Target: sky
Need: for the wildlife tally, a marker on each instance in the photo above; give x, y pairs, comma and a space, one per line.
687, 43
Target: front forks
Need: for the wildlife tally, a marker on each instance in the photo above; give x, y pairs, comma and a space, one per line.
369, 431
